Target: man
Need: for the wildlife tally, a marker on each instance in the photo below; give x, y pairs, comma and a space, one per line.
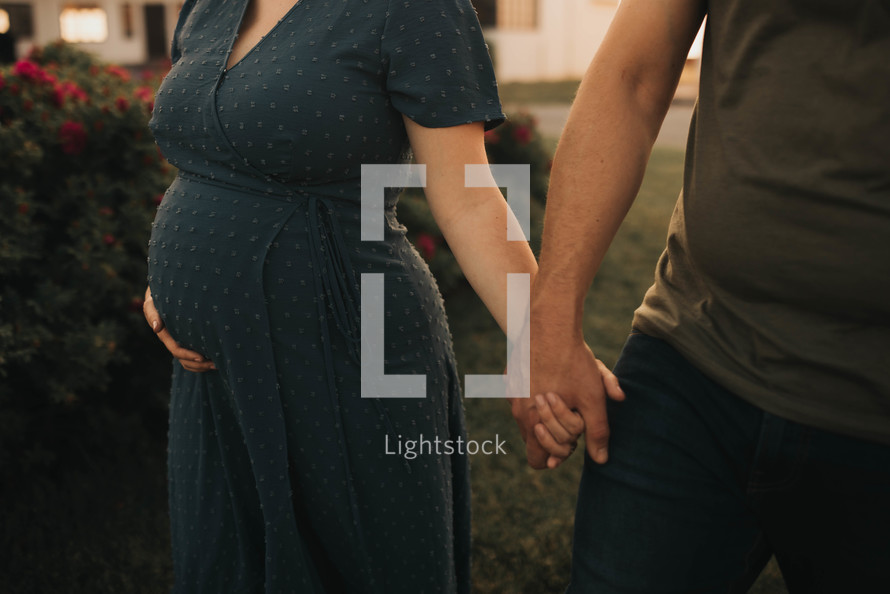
757, 411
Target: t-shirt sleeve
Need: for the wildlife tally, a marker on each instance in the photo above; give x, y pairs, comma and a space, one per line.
439, 71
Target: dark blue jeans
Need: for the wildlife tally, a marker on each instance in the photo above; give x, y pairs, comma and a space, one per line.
702, 488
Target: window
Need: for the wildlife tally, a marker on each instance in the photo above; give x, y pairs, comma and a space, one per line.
20, 19
83, 24
487, 11
127, 19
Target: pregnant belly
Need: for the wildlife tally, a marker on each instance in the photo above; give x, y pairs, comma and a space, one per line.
232, 273
205, 260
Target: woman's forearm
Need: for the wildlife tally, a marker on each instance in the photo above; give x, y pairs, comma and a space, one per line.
478, 238
473, 220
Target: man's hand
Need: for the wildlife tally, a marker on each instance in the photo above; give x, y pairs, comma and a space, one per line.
562, 363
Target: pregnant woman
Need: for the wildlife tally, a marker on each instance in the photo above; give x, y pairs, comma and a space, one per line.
278, 472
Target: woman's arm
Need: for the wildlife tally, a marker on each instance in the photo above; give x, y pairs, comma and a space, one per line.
472, 220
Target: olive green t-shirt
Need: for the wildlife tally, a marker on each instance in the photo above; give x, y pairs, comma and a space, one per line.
776, 277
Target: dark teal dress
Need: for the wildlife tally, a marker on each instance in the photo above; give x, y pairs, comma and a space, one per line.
278, 471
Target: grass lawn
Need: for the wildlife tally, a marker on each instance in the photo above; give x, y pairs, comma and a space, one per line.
522, 519
103, 525
562, 91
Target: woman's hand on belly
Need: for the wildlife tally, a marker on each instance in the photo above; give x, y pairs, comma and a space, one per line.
190, 360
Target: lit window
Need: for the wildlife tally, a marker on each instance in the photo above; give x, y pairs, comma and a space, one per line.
20, 17
84, 24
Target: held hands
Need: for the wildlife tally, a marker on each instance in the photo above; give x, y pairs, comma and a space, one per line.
559, 427
569, 387
550, 422
190, 360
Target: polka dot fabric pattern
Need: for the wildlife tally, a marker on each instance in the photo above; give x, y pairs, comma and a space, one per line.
280, 479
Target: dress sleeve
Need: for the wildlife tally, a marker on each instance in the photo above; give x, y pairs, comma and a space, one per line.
439, 72
175, 46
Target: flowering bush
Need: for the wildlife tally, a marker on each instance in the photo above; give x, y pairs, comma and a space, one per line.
516, 141
79, 181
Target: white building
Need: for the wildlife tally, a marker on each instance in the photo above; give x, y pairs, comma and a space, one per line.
120, 31
531, 40
534, 40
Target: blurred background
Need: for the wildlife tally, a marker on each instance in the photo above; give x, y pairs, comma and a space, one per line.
83, 382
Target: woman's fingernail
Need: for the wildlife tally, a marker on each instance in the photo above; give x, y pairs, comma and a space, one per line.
539, 400
551, 397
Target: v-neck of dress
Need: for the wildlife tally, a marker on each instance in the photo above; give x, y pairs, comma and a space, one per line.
227, 68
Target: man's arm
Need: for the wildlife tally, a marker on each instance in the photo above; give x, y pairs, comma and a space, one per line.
597, 171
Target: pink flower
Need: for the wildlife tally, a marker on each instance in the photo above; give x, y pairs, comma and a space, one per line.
121, 73
492, 137
106, 211
58, 96
158, 199
426, 244
522, 135
26, 69
2, 81
144, 93
31, 71
66, 89
73, 137
108, 239
122, 103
